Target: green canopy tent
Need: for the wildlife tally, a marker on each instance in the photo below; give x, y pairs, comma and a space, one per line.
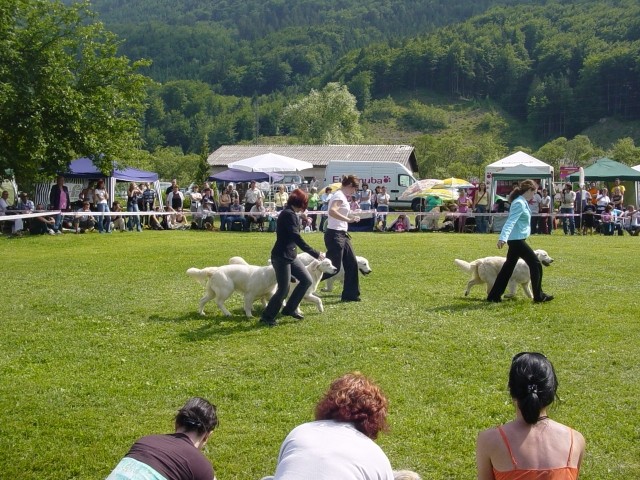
607, 170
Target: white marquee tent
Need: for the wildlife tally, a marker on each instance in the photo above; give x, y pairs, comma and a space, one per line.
519, 166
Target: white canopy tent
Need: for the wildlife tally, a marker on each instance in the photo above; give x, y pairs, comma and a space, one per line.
518, 166
637, 167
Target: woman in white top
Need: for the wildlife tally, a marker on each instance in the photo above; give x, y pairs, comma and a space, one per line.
545, 207
281, 198
101, 197
338, 241
382, 200
602, 200
339, 444
365, 197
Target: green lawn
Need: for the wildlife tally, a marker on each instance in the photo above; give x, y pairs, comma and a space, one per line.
101, 344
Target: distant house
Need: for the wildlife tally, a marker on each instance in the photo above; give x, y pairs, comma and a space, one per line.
318, 155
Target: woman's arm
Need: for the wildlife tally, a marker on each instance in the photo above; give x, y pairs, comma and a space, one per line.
333, 212
514, 214
483, 459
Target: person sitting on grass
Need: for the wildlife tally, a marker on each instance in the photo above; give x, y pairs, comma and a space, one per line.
631, 219
117, 220
235, 215
339, 444
532, 446
86, 221
175, 456
42, 225
257, 214
156, 221
400, 224
176, 221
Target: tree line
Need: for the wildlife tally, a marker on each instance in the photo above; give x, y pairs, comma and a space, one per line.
66, 91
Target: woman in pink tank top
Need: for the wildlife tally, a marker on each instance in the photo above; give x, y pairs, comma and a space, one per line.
531, 447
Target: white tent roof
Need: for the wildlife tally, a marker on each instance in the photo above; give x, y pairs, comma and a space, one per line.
637, 167
518, 159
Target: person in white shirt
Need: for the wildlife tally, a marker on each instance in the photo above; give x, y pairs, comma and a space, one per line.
545, 225
4, 206
338, 241
339, 444
251, 196
534, 206
196, 207
257, 214
101, 197
567, 205
325, 198
382, 201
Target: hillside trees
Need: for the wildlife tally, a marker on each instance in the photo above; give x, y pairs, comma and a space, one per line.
327, 116
63, 90
187, 114
558, 67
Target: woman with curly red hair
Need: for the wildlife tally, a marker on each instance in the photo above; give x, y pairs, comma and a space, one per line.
339, 443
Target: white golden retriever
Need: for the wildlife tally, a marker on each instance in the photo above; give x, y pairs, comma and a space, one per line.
363, 267
485, 270
316, 269
220, 282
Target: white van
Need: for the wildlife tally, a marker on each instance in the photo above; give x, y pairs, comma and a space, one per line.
392, 175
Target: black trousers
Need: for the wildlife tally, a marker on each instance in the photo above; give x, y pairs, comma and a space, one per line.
341, 254
286, 269
518, 249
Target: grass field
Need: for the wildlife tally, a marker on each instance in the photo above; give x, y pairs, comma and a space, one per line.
101, 344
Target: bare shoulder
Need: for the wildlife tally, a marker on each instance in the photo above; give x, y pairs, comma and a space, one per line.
488, 439
578, 440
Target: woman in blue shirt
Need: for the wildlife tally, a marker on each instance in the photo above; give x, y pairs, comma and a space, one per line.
514, 233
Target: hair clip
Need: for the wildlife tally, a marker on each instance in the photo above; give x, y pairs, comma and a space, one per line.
532, 388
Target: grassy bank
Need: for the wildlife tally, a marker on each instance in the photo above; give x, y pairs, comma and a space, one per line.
101, 343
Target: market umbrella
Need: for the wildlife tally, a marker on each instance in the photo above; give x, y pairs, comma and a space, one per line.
270, 162
442, 193
453, 184
416, 188
332, 186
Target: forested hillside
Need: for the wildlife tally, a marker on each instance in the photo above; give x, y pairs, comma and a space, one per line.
255, 46
558, 67
464, 82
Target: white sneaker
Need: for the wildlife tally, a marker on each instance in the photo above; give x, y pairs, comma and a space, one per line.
58, 232
51, 232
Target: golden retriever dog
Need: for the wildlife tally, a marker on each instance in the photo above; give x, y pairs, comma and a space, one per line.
220, 282
485, 270
316, 269
363, 267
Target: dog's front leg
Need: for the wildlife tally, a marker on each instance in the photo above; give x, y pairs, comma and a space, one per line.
248, 304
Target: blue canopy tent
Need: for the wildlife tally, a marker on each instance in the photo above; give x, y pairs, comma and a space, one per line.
82, 170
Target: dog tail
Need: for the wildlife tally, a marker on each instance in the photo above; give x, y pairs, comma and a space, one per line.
237, 261
462, 265
201, 276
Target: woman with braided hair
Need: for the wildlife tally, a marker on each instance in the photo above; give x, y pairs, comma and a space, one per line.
531, 447
175, 456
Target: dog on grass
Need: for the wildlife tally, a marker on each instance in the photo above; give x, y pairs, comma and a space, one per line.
485, 270
363, 267
220, 282
316, 269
